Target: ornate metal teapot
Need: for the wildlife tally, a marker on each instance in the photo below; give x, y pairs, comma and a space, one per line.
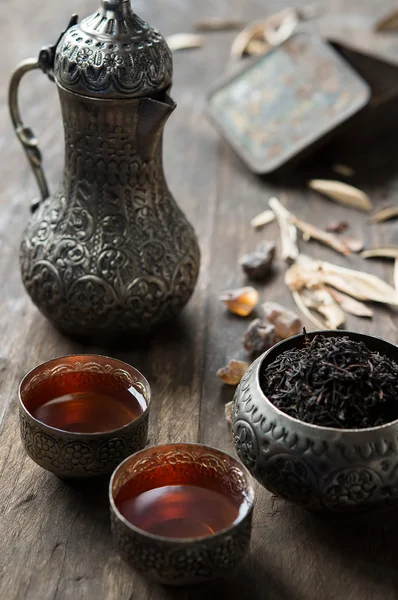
110, 251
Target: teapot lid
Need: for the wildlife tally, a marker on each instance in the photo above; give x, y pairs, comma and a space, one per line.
113, 54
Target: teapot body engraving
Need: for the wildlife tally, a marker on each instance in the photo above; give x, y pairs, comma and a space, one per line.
110, 251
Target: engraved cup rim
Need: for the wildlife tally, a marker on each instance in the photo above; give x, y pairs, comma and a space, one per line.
177, 446
84, 357
294, 342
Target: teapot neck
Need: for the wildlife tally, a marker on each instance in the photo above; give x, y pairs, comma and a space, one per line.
114, 18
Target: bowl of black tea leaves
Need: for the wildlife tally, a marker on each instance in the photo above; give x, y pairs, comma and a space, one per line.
315, 420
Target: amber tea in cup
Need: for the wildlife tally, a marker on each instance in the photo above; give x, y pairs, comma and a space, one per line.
83, 414
182, 497
178, 510
96, 405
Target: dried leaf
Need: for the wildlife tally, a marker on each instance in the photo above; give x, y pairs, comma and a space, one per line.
350, 305
337, 226
253, 31
233, 372
388, 23
297, 297
307, 272
359, 285
343, 170
263, 219
257, 48
319, 298
386, 213
354, 245
241, 301
343, 193
288, 231
329, 239
381, 252
218, 24
279, 27
396, 274
185, 41
261, 36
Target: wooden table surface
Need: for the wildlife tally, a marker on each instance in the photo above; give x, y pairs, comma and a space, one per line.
54, 537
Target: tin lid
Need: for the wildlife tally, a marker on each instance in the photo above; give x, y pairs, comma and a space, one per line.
113, 54
276, 108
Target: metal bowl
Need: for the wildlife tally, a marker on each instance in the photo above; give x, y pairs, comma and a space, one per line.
76, 455
176, 561
321, 468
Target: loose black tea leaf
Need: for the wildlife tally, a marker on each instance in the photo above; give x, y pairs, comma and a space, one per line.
333, 382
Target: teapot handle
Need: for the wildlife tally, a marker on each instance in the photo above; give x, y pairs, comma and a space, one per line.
25, 135
29, 142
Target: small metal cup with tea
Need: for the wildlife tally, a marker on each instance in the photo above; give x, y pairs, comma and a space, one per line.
181, 513
80, 416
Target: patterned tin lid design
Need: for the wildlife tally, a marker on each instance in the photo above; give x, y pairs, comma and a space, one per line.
276, 108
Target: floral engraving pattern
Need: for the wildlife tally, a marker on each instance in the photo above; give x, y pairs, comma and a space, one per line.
86, 456
110, 251
245, 444
352, 486
229, 477
303, 465
114, 55
181, 564
289, 477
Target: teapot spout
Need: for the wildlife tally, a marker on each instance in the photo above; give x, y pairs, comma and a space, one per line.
152, 116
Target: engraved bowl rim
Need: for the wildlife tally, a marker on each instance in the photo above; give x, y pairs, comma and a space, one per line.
80, 435
185, 541
290, 343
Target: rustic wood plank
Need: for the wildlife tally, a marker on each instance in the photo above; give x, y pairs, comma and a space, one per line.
54, 537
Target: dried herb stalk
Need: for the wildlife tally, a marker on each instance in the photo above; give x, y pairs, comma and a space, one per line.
185, 41
290, 251
381, 252
263, 219
385, 214
350, 305
301, 305
388, 23
362, 286
319, 298
343, 170
329, 239
218, 24
396, 274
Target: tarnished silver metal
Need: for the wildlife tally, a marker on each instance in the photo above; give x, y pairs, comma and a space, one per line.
173, 561
323, 469
113, 53
81, 455
110, 252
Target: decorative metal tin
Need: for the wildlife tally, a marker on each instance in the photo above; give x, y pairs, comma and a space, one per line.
320, 468
80, 455
110, 252
277, 107
184, 561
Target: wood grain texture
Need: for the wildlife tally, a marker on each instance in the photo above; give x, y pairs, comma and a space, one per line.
54, 537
